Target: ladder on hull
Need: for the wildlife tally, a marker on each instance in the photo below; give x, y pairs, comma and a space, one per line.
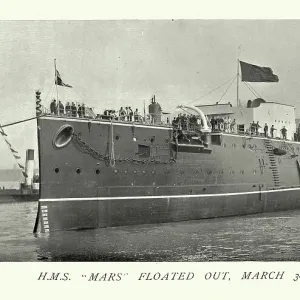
272, 159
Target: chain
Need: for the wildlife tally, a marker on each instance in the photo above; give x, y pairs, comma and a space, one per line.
84, 148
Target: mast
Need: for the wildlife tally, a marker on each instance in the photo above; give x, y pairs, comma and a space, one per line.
237, 84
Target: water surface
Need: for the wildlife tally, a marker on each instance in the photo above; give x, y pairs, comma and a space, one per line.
264, 237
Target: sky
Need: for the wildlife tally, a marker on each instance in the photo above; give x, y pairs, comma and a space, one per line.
123, 63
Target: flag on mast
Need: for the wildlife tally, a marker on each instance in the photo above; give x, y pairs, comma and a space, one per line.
253, 73
58, 80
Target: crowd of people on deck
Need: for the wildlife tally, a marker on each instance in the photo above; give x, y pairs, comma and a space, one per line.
222, 124
70, 110
187, 122
124, 114
182, 121
254, 129
225, 124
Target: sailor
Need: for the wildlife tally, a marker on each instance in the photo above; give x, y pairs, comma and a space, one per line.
232, 126
61, 108
68, 109
252, 127
266, 128
55, 107
284, 132
52, 106
122, 113
83, 110
126, 114
225, 124
130, 113
229, 121
136, 115
272, 129
257, 126
74, 110
213, 123
79, 111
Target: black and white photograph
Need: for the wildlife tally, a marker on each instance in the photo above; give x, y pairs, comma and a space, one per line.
172, 140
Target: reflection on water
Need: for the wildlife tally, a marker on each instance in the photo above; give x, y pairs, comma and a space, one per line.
266, 237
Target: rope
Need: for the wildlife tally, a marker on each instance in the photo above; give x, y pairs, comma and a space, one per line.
112, 160
227, 89
252, 90
212, 90
18, 122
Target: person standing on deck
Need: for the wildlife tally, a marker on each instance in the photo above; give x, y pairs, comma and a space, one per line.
74, 110
79, 111
68, 109
252, 127
266, 128
213, 123
232, 126
52, 106
272, 131
136, 115
122, 113
257, 126
61, 108
130, 114
284, 132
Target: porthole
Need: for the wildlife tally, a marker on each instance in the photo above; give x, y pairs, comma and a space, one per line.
97, 171
78, 170
63, 136
56, 170
117, 137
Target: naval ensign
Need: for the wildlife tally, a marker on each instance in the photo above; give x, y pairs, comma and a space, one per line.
263, 275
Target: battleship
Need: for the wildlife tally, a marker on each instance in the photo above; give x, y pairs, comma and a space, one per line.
113, 170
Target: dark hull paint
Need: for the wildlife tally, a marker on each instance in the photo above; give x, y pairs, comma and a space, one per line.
86, 214
239, 175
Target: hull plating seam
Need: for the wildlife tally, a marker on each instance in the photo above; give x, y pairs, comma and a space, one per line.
171, 196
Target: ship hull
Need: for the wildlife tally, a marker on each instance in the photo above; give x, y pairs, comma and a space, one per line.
152, 181
72, 213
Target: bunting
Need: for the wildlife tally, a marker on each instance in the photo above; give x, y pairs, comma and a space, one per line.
13, 151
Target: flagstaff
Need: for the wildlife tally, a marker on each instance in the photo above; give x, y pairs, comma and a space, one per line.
55, 78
